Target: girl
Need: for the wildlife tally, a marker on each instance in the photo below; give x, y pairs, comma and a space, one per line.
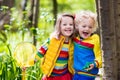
57, 53
87, 51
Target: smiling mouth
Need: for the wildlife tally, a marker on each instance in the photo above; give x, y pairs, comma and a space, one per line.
68, 30
85, 33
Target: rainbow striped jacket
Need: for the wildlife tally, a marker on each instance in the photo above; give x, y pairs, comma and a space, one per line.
87, 51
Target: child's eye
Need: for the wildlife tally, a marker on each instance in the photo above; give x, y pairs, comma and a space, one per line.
83, 26
71, 24
90, 27
64, 24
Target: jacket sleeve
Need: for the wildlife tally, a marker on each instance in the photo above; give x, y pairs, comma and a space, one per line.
42, 50
98, 52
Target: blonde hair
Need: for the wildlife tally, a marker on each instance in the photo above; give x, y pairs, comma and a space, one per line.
86, 15
57, 31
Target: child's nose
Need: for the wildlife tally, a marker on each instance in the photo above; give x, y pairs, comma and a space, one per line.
87, 28
68, 26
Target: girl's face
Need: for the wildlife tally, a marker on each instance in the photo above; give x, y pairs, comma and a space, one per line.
85, 28
67, 26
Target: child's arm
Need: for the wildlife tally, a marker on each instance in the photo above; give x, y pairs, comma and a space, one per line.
97, 52
98, 55
42, 50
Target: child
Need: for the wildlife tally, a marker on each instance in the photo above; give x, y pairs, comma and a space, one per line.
57, 53
87, 51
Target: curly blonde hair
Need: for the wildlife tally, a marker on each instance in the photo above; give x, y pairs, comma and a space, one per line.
86, 15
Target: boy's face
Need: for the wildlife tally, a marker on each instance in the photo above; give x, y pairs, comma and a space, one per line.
67, 26
85, 28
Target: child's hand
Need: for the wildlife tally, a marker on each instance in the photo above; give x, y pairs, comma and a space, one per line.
91, 66
44, 77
